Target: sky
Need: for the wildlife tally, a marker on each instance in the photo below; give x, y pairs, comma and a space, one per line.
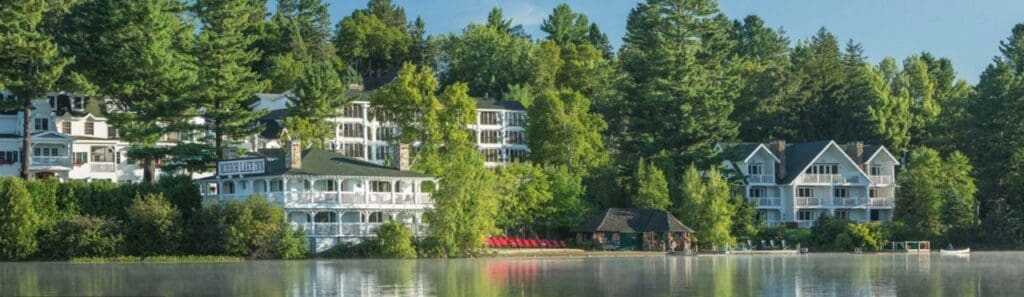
966, 31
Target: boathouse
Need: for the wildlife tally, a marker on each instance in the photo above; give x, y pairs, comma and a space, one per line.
642, 229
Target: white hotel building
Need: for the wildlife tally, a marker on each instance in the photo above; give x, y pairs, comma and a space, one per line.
500, 129
796, 183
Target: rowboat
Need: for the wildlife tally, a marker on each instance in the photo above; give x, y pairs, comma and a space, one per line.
955, 252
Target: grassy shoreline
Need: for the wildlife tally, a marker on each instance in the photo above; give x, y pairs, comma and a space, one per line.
157, 259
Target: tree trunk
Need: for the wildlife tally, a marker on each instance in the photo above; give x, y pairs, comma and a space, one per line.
148, 169
26, 139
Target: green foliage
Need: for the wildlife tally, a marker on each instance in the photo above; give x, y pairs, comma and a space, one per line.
651, 189
252, 227
936, 196
394, 240
525, 193
318, 96
706, 206
375, 39
153, 226
744, 220
486, 57
765, 70
18, 220
566, 210
81, 236
563, 132
465, 205
44, 200
291, 244
837, 234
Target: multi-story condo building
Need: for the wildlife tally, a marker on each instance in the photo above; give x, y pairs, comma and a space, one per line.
334, 198
70, 140
499, 130
796, 183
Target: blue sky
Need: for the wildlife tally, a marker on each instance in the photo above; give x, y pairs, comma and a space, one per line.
966, 31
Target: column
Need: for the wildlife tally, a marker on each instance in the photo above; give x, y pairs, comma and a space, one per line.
366, 191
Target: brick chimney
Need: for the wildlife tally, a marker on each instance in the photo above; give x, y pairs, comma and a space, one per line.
778, 147
293, 155
404, 152
857, 149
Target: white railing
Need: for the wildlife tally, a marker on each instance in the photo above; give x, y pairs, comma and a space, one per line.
102, 167
352, 197
380, 198
881, 179
767, 201
808, 201
849, 201
823, 178
333, 198
51, 161
881, 201
761, 179
351, 229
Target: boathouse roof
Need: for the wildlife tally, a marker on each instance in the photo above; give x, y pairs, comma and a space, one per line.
634, 220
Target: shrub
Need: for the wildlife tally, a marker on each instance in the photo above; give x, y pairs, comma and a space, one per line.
153, 226
292, 244
181, 192
81, 236
348, 250
44, 200
253, 227
394, 240
18, 220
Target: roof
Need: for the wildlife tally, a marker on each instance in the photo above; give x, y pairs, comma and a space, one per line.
634, 220
95, 106
799, 156
324, 162
492, 103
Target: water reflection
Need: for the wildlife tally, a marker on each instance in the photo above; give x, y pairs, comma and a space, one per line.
981, 274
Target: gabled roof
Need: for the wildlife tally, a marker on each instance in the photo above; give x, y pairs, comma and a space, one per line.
493, 103
326, 163
880, 149
800, 155
791, 175
634, 220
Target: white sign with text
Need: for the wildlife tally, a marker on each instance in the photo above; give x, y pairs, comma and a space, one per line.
244, 166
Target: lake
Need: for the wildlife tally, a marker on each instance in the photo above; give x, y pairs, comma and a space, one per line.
980, 274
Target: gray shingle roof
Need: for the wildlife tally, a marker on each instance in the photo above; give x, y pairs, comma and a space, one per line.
634, 220
799, 155
323, 162
492, 103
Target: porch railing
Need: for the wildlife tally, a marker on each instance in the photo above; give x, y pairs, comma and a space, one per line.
767, 201
808, 201
881, 179
823, 178
51, 161
849, 201
881, 202
351, 229
761, 179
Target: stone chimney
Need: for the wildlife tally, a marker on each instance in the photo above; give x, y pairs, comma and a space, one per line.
293, 155
778, 147
404, 152
857, 150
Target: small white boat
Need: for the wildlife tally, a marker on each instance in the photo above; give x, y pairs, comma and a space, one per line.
955, 252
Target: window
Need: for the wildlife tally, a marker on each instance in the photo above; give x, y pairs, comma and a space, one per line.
9, 157
762, 215
876, 215
804, 215
516, 137
102, 154
755, 169
492, 155
843, 214
876, 170
873, 193
384, 133
840, 192
41, 124
354, 150
45, 151
381, 152
490, 118
805, 192
90, 128
353, 111
824, 169
65, 127
352, 130
490, 136
516, 155
380, 186
517, 119
757, 192
77, 103
81, 158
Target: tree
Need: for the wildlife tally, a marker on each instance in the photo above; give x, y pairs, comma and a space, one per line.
81, 236
919, 198
651, 187
524, 193
253, 227
296, 36
958, 207
765, 70
679, 78
566, 27
566, 209
18, 221
153, 226
706, 206
394, 240
137, 54
818, 108
487, 57
32, 62
318, 97
375, 39
563, 132
888, 112
465, 205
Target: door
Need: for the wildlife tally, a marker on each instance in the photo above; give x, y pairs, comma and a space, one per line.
631, 241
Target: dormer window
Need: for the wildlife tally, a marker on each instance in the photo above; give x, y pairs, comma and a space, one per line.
823, 169
90, 128
65, 127
41, 124
876, 170
755, 169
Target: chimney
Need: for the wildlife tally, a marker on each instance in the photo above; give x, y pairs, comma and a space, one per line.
293, 157
230, 153
857, 149
778, 147
404, 150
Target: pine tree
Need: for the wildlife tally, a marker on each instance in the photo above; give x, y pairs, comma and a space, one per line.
765, 69
651, 188
318, 97
376, 39
225, 82
680, 79
566, 27
487, 57
958, 193
919, 199
817, 109
31, 61
136, 53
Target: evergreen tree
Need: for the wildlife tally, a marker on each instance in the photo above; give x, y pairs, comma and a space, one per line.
679, 78
958, 193
225, 82
919, 198
296, 36
707, 207
651, 189
817, 109
318, 97
566, 27
376, 39
765, 69
951, 95
565, 133
136, 53
18, 221
31, 61
599, 40
487, 57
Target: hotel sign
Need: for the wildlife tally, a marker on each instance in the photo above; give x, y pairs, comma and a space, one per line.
243, 166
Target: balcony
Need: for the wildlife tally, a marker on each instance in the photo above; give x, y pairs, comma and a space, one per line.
849, 201
49, 161
881, 179
761, 179
809, 201
102, 167
351, 229
881, 202
767, 201
336, 199
823, 178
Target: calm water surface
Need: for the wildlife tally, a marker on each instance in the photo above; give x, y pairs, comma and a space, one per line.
980, 274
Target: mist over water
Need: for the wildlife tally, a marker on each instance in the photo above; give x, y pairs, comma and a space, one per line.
980, 274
